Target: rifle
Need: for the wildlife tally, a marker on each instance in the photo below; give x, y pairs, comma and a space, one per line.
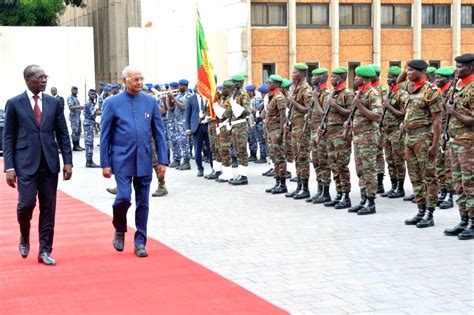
350, 118
310, 113
446, 128
324, 124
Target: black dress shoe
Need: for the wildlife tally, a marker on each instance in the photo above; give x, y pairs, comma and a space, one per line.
240, 180
24, 246
215, 175
200, 174
140, 250
119, 238
45, 258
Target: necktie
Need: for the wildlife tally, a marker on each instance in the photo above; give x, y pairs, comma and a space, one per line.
37, 110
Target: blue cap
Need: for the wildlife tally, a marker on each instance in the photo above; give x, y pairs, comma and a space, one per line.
263, 88
92, 90
101, 83
167, 85
156, 86
174, 84
190, 90
250, 87
183, 82
149, 85
107, 89
73, 87
220, 87
114, 86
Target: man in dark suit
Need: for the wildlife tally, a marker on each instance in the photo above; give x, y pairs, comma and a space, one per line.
54, 92
34, 127
196, 113
129, 120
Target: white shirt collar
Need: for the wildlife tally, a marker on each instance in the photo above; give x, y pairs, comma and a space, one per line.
30, 94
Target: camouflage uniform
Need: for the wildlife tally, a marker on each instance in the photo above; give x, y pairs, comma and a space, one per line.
366, 137
256, 134
422, 102
240, 128
382, 92
443, 161
276, 144
75, 118
179, 139
89, 123
223, 133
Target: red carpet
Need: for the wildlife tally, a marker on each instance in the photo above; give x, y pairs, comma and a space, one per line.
91, 277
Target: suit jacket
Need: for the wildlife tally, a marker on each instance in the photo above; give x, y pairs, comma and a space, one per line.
127, 126
24, 139
191, 113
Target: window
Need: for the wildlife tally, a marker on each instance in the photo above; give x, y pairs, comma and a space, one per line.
434, 63
395, 64
352, 66
436, 15
311, 67
467, 15
396, 15
267, 70
308, 15
354, 15
265, 14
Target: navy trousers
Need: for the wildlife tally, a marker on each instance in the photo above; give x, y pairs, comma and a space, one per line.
201, 137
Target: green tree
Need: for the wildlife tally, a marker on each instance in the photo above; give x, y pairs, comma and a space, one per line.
33, 12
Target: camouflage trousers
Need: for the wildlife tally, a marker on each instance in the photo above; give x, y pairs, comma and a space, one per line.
240, 134
257, 139
394, 153
365, 155
339, 156
224, 139
288, 147
462, 162
276, 148
76, 127
443, 167
89, 140
167, 133
179, 141
380, 164
319, 158
300, 142
421, 169
214, 142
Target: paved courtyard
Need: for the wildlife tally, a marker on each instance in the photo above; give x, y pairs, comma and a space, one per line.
305, 258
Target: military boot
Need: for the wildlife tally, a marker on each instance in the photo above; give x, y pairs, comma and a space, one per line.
234, 162
409, 198
332, 203
185, 166
239, 180
468, 233
272, 173
369, 209
447, 203
391, 191
293, 193
253, 156
76, 146
281, 189
209, 175
277, 183
344, 203
380, 188
267, 172
304, 192
442, 195
324, 197
161, 190
91, 164
417, 218
356, 208
399, 192
175, 164
427, 220
262, 160
458, 228
319, 193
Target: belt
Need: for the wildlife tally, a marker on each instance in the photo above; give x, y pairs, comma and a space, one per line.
413, 131
239, 121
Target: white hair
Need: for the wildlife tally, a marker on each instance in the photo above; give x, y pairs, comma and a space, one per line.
127, 69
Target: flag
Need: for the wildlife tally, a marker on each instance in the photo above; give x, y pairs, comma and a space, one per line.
205, 72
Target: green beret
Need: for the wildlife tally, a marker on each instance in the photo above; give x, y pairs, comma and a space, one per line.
430, 70
228, 83
445, 71
394, 71
276, 78
286, 83
238, 78
376, 68
339, 70
365, 71
300, 66
319, 71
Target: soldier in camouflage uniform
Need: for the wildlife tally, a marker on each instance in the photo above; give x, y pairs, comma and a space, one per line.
90, 113
179, 134
223, 132
444, 80
430, 74
339, 147
240, 129
394, 109
422, 126
285, 87
299, 103
367, 111
75, 110
461, 129
313, 119
256, 136
274, 124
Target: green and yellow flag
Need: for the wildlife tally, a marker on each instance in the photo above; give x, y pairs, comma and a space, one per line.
206, 83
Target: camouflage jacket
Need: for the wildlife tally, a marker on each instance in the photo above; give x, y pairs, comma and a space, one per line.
464, 104
276, 103
422, 102
243, 99
398, 99
315, 119
370, 98
302, 95
344, 98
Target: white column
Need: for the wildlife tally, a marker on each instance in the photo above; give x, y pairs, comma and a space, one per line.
376, 33
291, 35
334, 21
417, 29
248, 44
456, 18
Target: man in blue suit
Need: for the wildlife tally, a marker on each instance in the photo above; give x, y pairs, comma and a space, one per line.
196, 114
34, 127
129, 120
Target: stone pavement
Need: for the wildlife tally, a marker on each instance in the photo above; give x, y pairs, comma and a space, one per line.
307, 259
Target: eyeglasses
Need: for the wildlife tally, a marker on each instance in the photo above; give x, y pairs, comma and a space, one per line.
41, 77
141, 79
